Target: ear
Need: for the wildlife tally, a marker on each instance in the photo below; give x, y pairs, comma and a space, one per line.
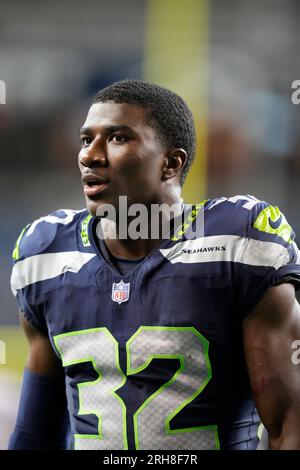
174, 163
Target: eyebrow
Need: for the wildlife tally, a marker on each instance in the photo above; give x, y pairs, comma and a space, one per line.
107, 130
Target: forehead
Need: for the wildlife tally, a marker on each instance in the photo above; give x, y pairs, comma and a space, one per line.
112, 114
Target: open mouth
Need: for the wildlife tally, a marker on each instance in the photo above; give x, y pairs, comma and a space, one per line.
93, 186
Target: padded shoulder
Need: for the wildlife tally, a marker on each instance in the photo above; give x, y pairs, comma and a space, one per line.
253, 218
36, 237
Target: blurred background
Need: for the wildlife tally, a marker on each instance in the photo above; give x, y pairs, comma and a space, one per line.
232, 60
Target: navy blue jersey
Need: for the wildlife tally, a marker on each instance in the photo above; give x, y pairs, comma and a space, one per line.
154, 358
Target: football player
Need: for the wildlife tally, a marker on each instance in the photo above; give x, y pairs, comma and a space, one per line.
178, 342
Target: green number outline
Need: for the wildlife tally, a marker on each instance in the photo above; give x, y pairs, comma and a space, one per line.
91, 359
130, 371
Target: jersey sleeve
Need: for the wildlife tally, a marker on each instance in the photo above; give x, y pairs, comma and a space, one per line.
25, 248
269, 256
44, 250
30, 261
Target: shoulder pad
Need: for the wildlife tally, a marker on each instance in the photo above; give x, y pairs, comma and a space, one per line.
38, 236
264, 221
247, 202
268, 219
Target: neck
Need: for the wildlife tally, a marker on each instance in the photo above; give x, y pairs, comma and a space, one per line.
143, 231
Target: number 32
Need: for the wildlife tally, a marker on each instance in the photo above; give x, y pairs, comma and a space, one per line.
152, 419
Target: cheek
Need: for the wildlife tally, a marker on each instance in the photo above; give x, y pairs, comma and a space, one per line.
127, 168
80, 155
138, 177
146, 167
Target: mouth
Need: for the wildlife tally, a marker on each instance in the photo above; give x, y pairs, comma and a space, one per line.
93, 185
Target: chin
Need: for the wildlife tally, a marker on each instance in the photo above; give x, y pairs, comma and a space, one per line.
99, 208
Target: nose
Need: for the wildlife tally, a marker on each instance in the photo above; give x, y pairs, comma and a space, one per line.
93, 156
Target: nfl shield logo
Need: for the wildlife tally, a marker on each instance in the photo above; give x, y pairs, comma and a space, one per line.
120, 292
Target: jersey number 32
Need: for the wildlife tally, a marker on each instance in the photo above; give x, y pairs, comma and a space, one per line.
152, 419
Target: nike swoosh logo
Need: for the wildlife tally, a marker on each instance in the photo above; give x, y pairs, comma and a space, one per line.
275, 224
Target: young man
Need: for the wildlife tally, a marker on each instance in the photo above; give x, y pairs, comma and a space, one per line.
156, 342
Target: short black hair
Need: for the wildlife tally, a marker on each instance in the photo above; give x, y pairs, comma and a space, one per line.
168, 113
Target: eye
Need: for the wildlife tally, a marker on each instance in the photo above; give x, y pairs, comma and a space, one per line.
85, 141
119, 138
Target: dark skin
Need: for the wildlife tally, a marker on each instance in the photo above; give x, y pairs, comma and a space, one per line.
137, 164
268, 334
